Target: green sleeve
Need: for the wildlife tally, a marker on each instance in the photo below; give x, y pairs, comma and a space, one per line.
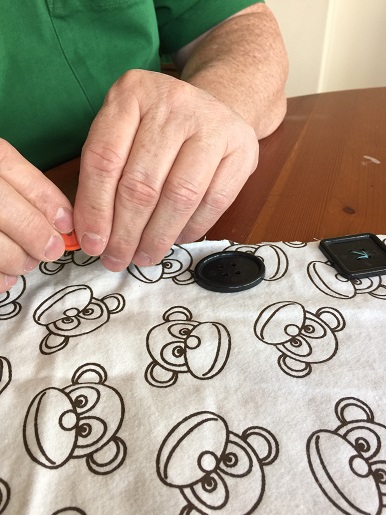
181, 21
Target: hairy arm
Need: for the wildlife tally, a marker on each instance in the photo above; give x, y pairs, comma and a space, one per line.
243, 63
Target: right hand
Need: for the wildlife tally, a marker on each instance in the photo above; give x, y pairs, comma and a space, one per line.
33, 213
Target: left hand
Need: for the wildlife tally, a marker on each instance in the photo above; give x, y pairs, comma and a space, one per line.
162, 162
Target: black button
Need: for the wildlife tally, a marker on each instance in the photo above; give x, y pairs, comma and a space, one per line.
357, 255
229, 272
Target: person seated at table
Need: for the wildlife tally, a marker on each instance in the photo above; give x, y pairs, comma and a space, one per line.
161, 158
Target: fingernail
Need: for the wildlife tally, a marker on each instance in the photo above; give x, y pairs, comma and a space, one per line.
142, 259
55, 248
112, 264
10, 280
92, 244
30, 264
64, 221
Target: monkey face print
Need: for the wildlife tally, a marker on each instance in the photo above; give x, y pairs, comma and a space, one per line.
349, 463
77, 257
9, 305
303, 338
176, 265
183, 345
80, 420
74, 311
324, 276
215, 469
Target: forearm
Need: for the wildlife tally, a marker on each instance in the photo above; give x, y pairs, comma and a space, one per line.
243, 63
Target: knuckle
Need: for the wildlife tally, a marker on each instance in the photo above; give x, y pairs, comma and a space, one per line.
12, 263
33, 219
196, 230
218, 201
125, 83
247, 150
183, 194
248, 136
102, 160
251, 134
129, 77
137, 190
253, 160
3, 195
178, 92
5, 149
113, 97
251, 140
161, 243
120, 247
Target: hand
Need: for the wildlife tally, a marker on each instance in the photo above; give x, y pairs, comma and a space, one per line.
32, 211
163, 160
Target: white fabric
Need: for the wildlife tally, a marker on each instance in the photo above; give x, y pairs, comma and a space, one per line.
142, 393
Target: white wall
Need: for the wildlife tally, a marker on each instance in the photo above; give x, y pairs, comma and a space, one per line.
333, 44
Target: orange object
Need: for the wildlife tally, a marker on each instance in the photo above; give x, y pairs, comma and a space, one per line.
71, 241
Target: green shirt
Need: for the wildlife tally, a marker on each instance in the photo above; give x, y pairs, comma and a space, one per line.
58, 58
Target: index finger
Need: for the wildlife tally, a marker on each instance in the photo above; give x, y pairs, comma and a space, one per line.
104, 156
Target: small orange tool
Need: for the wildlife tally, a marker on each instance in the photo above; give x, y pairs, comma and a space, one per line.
71, 241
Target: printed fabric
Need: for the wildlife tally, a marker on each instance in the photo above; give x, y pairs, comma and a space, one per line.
142, 393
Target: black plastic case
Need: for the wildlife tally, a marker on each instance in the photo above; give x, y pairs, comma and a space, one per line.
357, 255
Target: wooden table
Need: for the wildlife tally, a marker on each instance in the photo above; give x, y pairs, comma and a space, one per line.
313, 179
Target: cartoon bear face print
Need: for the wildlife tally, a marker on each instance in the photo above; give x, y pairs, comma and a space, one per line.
9, 307
77, 257
324, 276
74, 311
349, 463
5, 373
181, 344
215, 469
176, 265
295, 244
274, 258
302, 338
5, 494
80, 420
